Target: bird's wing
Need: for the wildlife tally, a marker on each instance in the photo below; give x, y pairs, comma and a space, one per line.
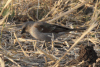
50, 28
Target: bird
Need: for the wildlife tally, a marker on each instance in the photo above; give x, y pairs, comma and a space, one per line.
43, 31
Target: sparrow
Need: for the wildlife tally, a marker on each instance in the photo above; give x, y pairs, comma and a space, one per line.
43, 31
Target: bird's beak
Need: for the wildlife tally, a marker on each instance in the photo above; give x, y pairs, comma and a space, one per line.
23, 31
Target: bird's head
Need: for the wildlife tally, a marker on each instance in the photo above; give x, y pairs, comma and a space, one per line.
26, 27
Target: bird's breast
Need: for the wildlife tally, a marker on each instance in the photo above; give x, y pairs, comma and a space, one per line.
40, 35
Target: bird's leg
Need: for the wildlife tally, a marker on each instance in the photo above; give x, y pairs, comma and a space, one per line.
44, 46
34, 44
45, 43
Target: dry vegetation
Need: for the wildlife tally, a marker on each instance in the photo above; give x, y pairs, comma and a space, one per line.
24, 51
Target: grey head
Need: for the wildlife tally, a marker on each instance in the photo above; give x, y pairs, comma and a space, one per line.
26, 26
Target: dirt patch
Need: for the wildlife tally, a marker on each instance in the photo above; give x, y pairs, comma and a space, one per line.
86, 53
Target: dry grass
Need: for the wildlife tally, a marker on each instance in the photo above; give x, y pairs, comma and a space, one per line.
20, 52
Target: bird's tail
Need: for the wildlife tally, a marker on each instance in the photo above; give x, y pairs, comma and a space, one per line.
79, 29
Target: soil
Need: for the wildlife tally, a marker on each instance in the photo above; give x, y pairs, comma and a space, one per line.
87, 54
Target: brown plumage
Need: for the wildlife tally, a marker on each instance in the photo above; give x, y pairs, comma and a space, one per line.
43, 30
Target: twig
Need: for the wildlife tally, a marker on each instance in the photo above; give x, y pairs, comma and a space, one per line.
20, 45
